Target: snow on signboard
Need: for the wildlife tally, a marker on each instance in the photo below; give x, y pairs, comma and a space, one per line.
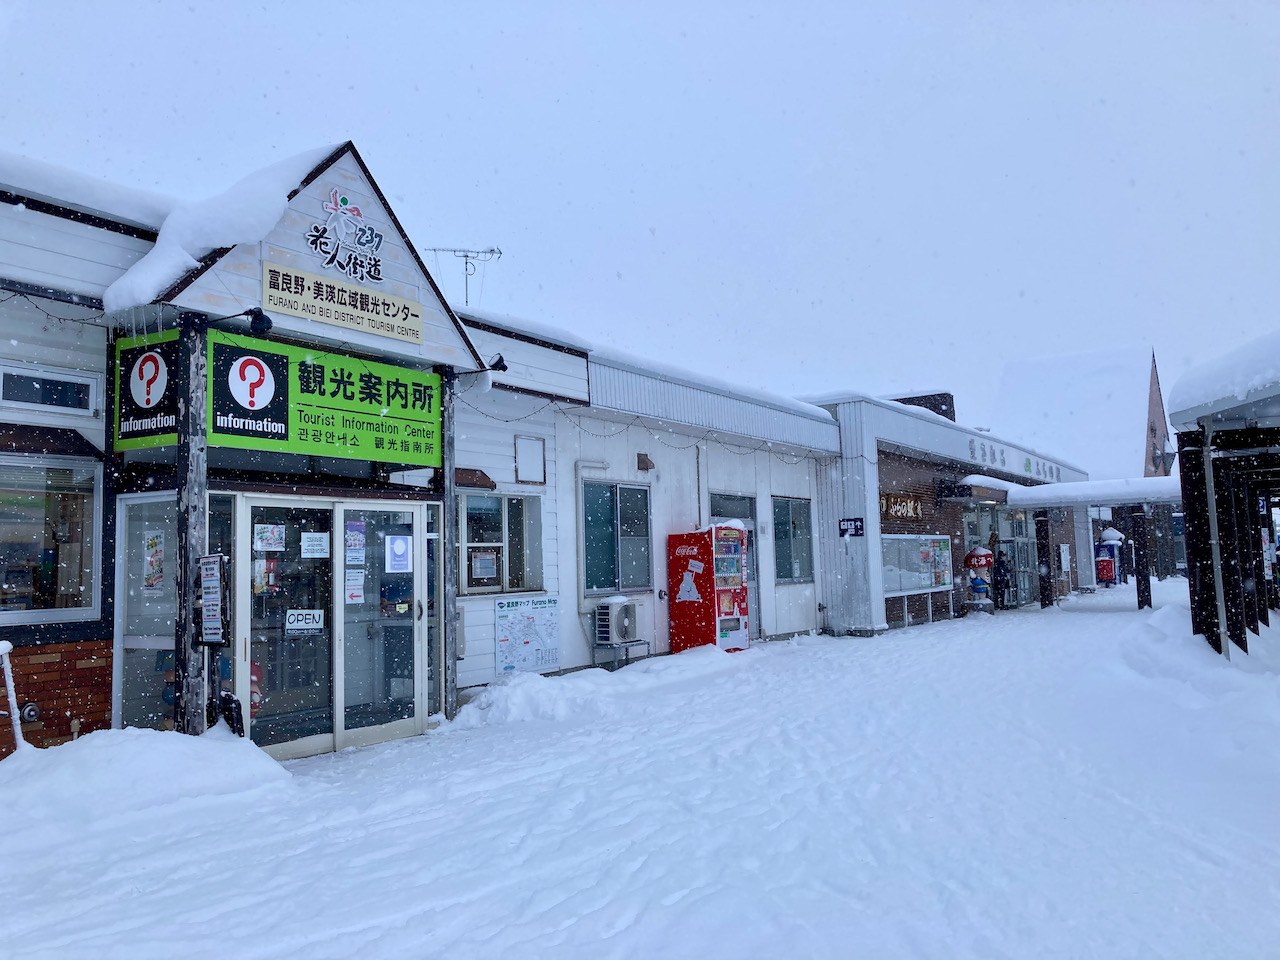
527, 635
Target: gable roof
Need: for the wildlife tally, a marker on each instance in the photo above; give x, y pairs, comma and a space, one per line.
197, 236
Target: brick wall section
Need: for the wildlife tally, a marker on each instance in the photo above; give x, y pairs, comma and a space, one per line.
919, 478
69, 681
1064, 531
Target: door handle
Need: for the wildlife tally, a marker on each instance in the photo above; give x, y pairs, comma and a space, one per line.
419, 609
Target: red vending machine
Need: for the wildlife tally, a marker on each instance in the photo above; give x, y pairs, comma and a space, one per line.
707, 588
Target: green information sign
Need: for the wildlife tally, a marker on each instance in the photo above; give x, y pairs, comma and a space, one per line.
276, 397
146, 391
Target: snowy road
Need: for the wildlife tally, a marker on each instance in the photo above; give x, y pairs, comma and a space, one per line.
1083, 782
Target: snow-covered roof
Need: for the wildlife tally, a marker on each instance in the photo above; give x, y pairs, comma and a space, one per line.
1092, 493
79, 191
633, 362
1248, 373
244, 213
530, 328
1090, 407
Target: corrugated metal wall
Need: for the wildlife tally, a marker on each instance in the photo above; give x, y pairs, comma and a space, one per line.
649, 395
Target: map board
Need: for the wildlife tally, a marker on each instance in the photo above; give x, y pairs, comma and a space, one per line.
527, 635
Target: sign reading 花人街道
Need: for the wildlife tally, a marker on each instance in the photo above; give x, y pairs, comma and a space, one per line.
340, 303
277, 397
146, 391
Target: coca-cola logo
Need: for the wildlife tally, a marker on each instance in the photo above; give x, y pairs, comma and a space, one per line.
686, 551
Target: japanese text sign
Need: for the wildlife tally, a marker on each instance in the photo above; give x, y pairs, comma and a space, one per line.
277, 397
339, 303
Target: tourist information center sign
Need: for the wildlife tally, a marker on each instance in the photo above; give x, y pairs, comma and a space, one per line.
276, 397
146, 391
329, 300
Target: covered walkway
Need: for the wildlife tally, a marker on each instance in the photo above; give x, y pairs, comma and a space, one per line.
1227, 415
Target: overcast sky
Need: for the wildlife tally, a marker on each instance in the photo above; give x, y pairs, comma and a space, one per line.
874, 196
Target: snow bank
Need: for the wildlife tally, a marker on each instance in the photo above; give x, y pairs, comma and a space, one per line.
595, 694
243, 214
1254, 366
46, 181
128, 770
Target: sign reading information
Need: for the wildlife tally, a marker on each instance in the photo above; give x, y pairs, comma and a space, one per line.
339, 303
276, 397
147, 391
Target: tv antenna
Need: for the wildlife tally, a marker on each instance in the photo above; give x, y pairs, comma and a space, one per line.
470, 258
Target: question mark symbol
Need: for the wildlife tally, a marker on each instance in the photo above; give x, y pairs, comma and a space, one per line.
262, 376
154, 361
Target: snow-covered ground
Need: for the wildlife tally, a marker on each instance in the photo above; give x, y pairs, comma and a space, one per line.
1088, 781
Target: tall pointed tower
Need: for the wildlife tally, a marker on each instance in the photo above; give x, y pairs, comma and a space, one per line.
1157, 463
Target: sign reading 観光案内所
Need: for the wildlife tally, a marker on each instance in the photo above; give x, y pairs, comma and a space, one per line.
276, 397
340, 303
146, 391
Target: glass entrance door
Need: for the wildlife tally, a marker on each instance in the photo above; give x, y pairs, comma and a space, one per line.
291, 600
343, 631
381, 610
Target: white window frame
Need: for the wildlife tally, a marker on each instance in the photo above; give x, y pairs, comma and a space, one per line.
617, 539
772, 519
504, 545
64, 614
44, 415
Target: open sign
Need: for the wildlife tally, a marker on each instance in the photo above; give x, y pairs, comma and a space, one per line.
304, 621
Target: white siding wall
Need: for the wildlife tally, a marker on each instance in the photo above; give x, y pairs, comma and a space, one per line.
50, 251
673, 507
784, 607
483, 441
29, 337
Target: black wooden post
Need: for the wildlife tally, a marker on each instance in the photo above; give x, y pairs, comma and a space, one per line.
1257, 503
1195, 508
449, 669
1141, 563
1044, 547
190, 667
1229, 555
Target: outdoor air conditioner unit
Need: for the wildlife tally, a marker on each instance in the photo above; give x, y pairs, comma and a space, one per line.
617, 621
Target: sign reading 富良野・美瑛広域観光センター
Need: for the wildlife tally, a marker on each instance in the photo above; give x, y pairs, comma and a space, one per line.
277, 397
342, 304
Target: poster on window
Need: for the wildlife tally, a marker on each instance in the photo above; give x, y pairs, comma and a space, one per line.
399, 559
527, 634
268, 537
153, 563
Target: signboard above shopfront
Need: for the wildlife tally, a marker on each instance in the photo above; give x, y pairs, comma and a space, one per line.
340, 303
277, 397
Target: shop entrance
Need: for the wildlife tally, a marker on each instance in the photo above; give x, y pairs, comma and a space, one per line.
343, 632
335, 609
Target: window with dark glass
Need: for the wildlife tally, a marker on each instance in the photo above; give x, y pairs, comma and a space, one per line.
792, 539
501, 542
616, 539
48, 539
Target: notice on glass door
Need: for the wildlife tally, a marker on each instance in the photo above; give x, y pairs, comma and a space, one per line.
315, 546
353, 542
354, 591
153, 563
399, 554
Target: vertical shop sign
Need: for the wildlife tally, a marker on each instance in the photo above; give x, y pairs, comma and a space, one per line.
146, 391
